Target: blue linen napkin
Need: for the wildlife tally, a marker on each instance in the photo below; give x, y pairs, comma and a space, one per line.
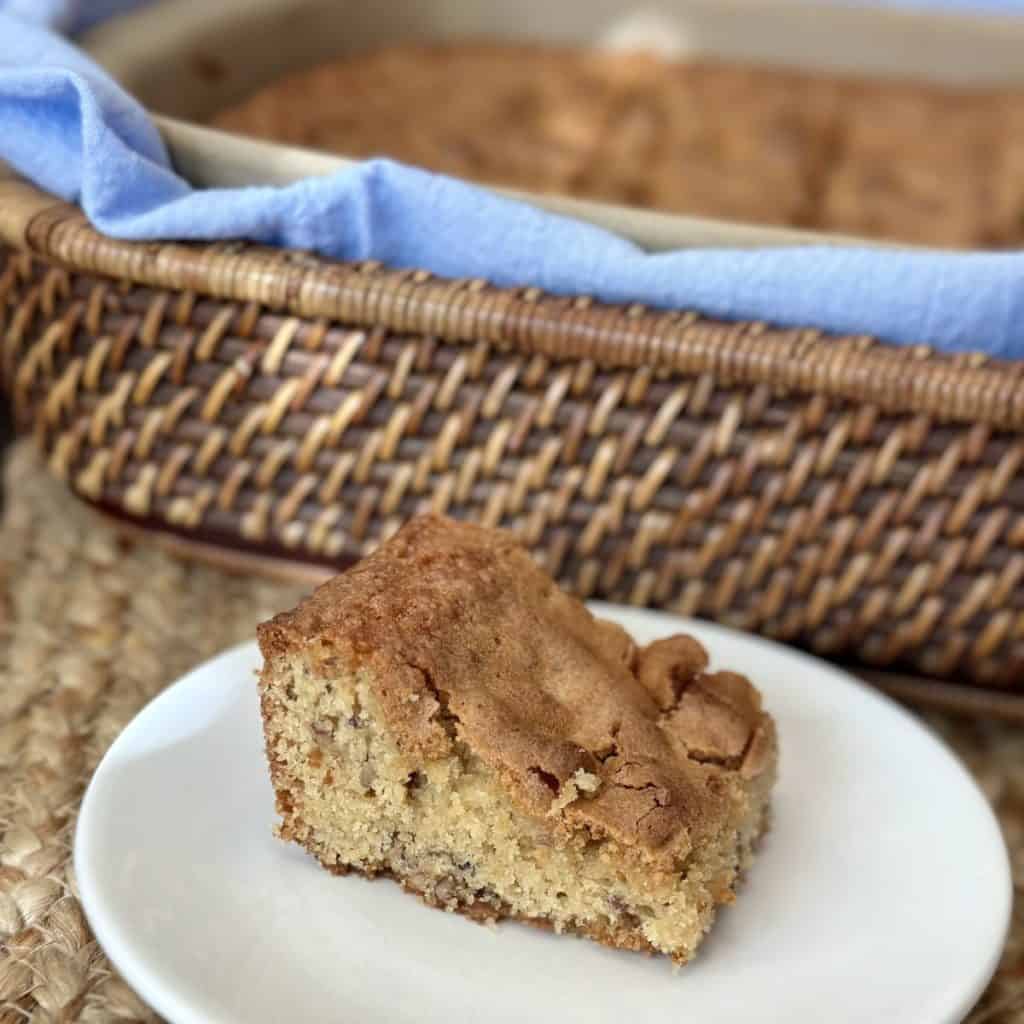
69, 15
66, 126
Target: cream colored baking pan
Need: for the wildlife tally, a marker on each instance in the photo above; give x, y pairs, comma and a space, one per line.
186, 59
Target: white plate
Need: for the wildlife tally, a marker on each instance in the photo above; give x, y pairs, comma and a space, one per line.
881, 894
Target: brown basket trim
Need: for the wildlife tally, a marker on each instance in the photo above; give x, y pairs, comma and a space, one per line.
964, 388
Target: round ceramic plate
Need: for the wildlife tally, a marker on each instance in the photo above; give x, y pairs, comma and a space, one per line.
882, 892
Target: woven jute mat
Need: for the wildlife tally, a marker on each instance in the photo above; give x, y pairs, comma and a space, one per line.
91, 628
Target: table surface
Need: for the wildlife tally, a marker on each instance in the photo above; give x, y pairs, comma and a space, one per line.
91, 628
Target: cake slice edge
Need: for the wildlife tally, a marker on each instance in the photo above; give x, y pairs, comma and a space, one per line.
452, 830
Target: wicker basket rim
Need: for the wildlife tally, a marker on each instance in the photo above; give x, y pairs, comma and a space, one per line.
967, 388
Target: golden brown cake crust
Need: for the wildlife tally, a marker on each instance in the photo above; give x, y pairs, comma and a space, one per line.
470, 642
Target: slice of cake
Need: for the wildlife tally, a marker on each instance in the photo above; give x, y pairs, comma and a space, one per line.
443, 714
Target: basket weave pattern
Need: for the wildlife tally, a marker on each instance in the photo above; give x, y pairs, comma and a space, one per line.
861, 499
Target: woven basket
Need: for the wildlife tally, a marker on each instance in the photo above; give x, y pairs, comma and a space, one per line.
860, 499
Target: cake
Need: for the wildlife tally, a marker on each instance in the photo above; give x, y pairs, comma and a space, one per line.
443, 715
894, 159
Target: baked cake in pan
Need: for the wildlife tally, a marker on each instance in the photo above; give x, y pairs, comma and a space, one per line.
891, 159
442, 714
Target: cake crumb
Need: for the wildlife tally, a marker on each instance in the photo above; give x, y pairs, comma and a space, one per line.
578, 786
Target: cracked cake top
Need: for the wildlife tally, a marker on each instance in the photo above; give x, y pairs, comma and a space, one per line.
469, 644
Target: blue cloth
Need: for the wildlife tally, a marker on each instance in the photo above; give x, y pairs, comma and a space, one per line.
66, 126
68, 15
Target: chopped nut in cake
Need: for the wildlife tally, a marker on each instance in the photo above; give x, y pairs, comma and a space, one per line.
444, 715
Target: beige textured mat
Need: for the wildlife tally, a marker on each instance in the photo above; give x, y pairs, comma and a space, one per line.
90, 629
